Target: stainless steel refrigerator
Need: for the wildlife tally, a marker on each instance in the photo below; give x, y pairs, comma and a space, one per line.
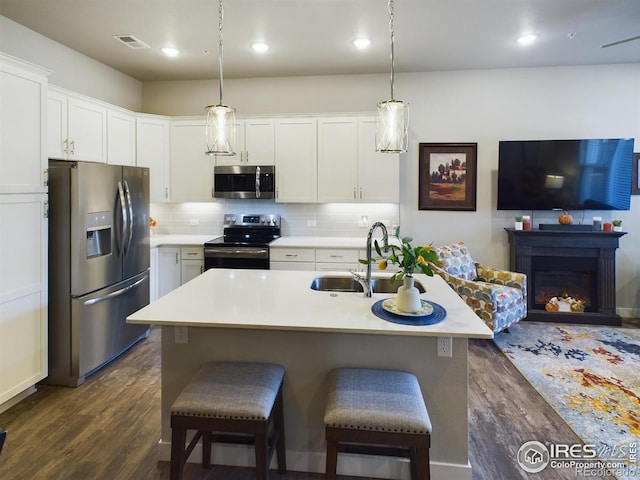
98, 265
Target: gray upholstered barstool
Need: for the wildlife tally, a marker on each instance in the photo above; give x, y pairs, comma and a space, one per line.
377, 412
230, 402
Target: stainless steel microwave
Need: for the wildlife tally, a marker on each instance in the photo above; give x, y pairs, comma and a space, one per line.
244, 181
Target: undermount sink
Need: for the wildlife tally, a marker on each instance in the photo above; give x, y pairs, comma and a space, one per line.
349, 284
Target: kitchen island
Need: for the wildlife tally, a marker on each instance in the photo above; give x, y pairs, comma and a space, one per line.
273, 316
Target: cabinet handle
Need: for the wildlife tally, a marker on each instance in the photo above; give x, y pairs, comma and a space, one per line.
336, 256
46, 177
293, 255
176, 258
166, 192
191, 253
73, 147
354, 193
65, 146
246, 156
360, 193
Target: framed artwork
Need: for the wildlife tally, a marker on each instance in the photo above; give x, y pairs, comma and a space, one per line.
447, 176
635, 183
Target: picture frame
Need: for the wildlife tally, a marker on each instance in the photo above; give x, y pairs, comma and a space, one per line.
635, 182
447, 176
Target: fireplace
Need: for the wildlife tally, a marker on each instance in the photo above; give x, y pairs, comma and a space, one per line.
570, 274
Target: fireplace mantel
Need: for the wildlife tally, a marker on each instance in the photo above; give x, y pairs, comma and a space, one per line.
526, 247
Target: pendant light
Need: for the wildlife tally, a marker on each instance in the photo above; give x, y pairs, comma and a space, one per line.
220, 128
392, 124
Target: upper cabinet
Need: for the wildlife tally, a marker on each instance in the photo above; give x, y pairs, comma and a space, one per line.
349, 168
296, 143
23, 159
254, 143
191, 168
121, 138
153, 150
77, 128
378, 173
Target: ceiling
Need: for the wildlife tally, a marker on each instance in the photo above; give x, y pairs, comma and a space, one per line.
313, 37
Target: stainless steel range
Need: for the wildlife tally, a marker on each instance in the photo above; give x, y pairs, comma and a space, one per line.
245, 243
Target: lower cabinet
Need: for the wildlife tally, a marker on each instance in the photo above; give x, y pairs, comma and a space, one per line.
23, 293
176, 266
292, 259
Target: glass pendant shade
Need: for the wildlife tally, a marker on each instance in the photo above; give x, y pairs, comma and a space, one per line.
392, 126
220, 130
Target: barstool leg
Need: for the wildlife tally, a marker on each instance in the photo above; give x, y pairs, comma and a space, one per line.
261, 446
331, 465
206, 449
178, 439
422, 462
280, 443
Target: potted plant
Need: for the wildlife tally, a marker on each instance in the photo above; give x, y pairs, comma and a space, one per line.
409, 259
518, 224
617, 225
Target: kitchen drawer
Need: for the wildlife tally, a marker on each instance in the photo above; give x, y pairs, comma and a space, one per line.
192, 253
337, 267
335, 255
297, 266
292, 254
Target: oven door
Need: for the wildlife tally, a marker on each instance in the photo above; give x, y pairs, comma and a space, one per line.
240, 256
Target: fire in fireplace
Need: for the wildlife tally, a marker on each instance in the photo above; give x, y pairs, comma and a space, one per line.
573, 277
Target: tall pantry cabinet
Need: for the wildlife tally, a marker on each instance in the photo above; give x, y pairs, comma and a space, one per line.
23, 229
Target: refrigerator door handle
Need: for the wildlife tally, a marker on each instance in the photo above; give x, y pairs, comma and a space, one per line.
117, 293
124, 217
130, 207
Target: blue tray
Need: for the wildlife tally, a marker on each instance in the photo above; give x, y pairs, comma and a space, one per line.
438, 314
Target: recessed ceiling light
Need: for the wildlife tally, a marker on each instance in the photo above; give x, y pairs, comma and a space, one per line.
259, 47
170, 51
528, 39
362, 43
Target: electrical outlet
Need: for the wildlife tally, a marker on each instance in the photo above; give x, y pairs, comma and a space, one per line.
311, 223
181, 334
445, 346
363, 222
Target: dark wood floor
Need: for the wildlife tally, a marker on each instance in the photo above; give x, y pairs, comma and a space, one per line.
108, 428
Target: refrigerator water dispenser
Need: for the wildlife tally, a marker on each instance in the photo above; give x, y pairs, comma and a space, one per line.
98, 234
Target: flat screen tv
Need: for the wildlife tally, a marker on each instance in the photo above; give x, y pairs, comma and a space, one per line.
591, 174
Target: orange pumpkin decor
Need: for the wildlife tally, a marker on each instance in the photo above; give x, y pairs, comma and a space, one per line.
565, 219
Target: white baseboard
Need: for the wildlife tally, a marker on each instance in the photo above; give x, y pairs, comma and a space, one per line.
628, 312
349, 464
18, 398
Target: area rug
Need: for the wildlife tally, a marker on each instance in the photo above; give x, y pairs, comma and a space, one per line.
591, 376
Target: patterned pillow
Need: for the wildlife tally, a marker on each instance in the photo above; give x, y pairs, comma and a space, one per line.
457, 261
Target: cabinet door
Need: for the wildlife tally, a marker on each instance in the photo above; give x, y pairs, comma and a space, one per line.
153, 151
259, 138
168, 269
87, 131
378, 173
338, 160
23, 158
23, 293
191, 168
238, 147
121, 138
191, 269
57, 134
296, 160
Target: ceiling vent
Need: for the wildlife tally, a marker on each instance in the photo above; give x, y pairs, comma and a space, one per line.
131, 41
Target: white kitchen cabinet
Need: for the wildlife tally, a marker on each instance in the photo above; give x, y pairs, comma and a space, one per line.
378, 173
23, 293
77, 127
153, 147
292, 259
121, 138
296, 160
349, 168
23, 159
338, 160
191, 168
169, 269
340, 259
192, 263
254, 143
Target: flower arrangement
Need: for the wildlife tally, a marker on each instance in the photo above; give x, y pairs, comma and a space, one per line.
407, 257
152, 222
616, 223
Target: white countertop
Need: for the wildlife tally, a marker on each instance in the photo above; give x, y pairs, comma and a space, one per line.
282, 300
180, 240
324, 242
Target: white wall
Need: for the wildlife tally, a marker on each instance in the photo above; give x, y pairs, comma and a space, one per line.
71, 70
482, 106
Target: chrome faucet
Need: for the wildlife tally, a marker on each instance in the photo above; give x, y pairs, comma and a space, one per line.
368, 289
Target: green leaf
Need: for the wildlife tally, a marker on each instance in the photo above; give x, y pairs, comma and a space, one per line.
377, 246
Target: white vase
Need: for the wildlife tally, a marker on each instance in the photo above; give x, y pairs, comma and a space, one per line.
408, 297
518, 225
617, 228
